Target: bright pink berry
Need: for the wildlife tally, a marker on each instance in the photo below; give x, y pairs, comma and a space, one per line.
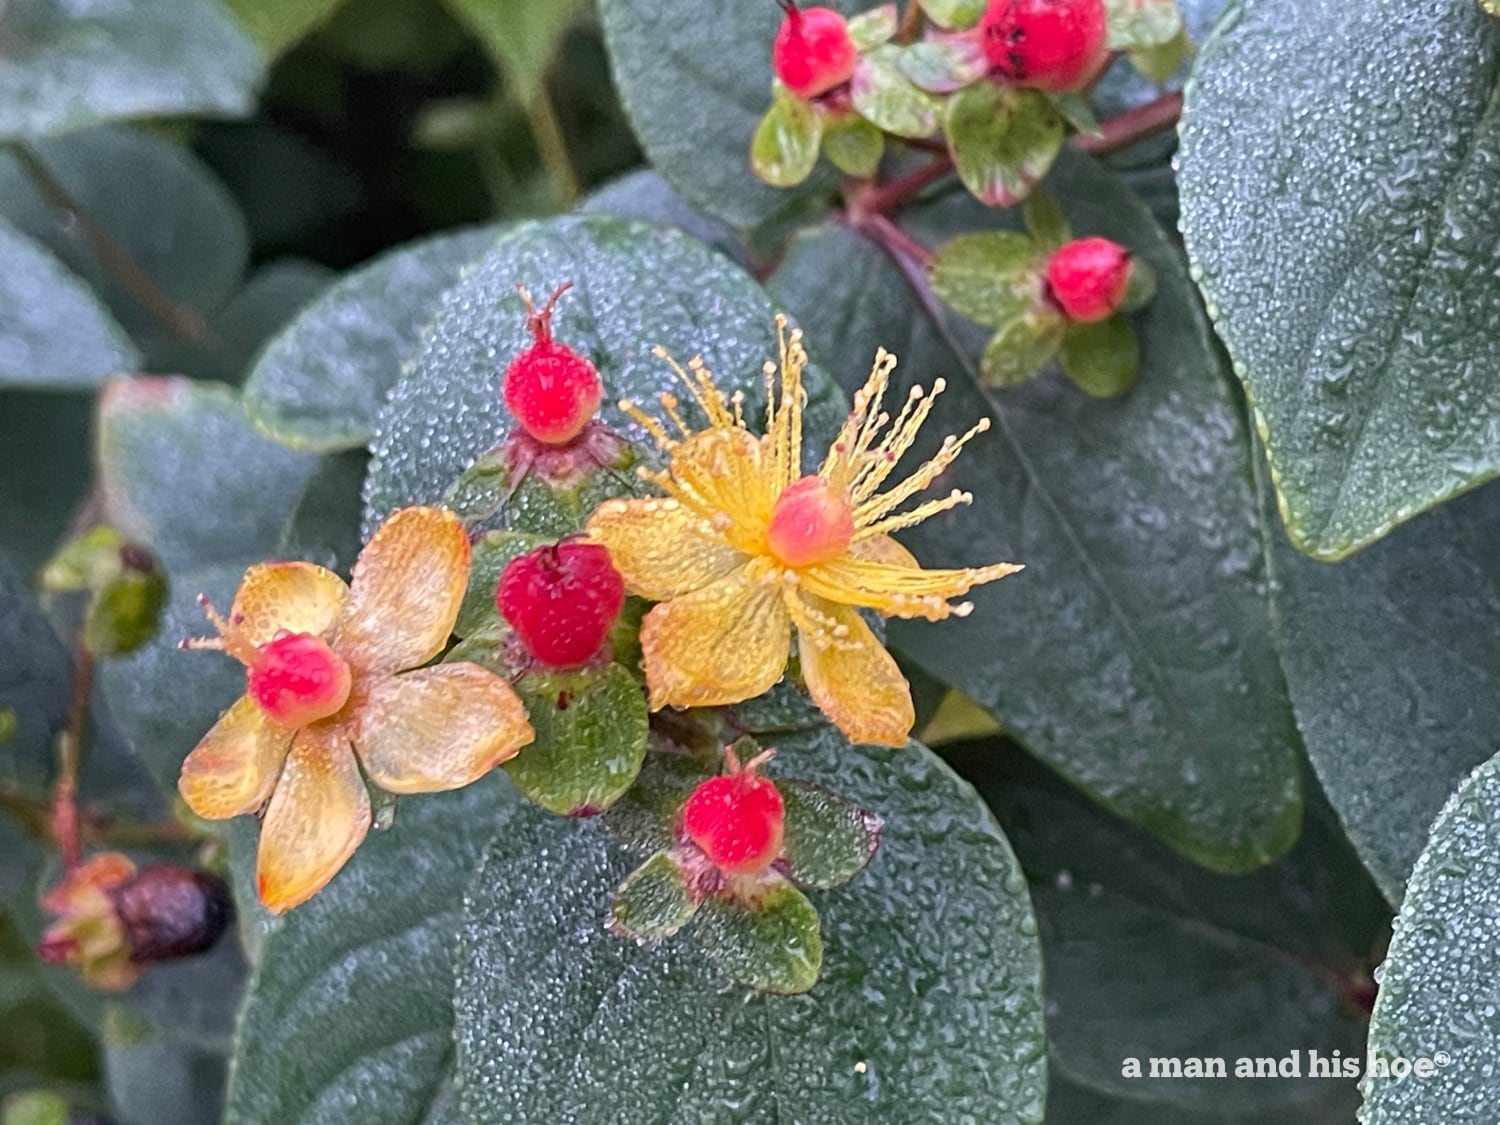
813, 51
1053, 45
561, 601
737, 819
552, 390
1088, 278
297, 679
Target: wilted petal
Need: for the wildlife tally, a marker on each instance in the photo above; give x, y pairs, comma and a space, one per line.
662, 550
233, 769
296, 596
317, 817
438, 728
408, 584
853, 680
722, 644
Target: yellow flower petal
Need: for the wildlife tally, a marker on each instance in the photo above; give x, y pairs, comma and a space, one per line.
661, 548
896, 589
296, 596
729, 475
408, 585
883, 549
233, 769
854, 681
438, 728
317, 817
722, 644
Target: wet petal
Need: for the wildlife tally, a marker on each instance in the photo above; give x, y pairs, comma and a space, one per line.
438, 728
661, 548
895, 588
234, 768
722, 644
296, 596
408, 584
317, 817
732, 475
853, 680
883, 549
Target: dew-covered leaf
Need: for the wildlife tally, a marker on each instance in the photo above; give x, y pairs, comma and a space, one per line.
66, 65
654, 901
1003, 140
1436, 1011
936, 935
770, 941
1340, 208
829, 840
1134, 652
785, 146
319, 384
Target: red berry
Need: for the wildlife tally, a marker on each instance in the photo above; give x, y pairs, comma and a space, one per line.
737, 819
171, 912
552, 390
561, 601
1088, 278
813, 51
1054, 45
297, 679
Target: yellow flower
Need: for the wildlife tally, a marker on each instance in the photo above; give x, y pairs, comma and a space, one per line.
744, 547
334, 683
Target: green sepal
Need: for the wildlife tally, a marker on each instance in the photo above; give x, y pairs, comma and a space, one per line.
645, 818
1159, 63
1003, 140
888, 99
874, 28
764, 933
491, 553
591, 732
941, 66
126, 586
827, 840
1046, 223
483, 488
992, 277
853, 145
1141, 288
494, 645
1140, 24
784, 149
954, 15
1020, 349
1078, 113
1103, 358
656, 899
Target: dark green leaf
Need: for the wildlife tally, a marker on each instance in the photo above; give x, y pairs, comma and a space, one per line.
591, 733
1436, 999
768, 940
785, 146
522, 35
48, 443
646, 196
319, 384
936, 936
1393, 663
324, 526
348, 1017
280, 24
54, 333
1347, 250
65, 66
1134, 653
1069, 1103
1003, 140
153, 1080
654, 901
828, 840
1103, 358
635, 287
1019, 350
645, 818
182, 471
40, 1042
1145, 953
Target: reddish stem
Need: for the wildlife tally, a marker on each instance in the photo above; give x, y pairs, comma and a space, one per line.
911, 22
902, 247
1133, 126
884, 198
69, 754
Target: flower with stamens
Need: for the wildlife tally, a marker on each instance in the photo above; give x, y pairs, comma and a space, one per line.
743, 548
334, 682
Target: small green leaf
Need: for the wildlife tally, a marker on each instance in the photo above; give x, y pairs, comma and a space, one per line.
1140, 24
767, 938
64, 66
591, 730
888, 99
785, 147
828, 840
954, 14
1020, 349
1158, 64
993, 278
1002, 139
1103, 358
853, 145
1077, 112
873, 28
54, 333
655, 901
1048, 226
941, 66
1443, 950
320, 382
492, 552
